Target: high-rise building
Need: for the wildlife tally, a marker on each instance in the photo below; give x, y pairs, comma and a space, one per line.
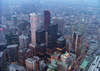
61, 43
23, 41
41, 51
60, 22
46, 19
23, 54
12, 53
40, 36
52, 37
14, 20
3, 20
46, 23
77, 43
35, 25
30, 64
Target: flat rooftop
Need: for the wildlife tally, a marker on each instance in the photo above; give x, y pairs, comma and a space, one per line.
61, 39
12, 46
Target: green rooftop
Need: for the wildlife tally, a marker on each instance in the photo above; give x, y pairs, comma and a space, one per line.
84, 64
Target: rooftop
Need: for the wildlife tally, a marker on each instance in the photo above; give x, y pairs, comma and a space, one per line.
12, 46
84, 64
78, 33
61, 39
41, 45
30, 59
24, 50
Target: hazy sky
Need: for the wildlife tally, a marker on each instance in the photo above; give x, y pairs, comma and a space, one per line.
55, 1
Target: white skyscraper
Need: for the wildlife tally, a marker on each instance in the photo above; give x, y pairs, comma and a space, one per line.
35, 25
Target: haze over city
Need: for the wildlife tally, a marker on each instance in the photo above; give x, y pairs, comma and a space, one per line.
49, 35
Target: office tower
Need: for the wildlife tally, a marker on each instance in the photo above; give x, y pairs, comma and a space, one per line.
23, 54
30, 64
14, 20
46, 19
35, 25
23, 41
77, 42
41, 51
12, 53
60, 22
43, 66
61, 43
40, 36
2, 35
15, 67
3, 20
52, 38
62, 66
46, 23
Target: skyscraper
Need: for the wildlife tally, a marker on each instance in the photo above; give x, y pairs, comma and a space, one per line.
52, 37
60, 22
24, 41
35, 25
61, 43
77, 43
40, 36
23, 54
14, 20
46, 19
41, 51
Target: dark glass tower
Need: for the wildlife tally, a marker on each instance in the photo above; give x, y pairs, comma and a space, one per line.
52, 37
40, 36
46, 19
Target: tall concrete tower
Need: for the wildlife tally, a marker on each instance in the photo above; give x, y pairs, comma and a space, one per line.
35, 25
